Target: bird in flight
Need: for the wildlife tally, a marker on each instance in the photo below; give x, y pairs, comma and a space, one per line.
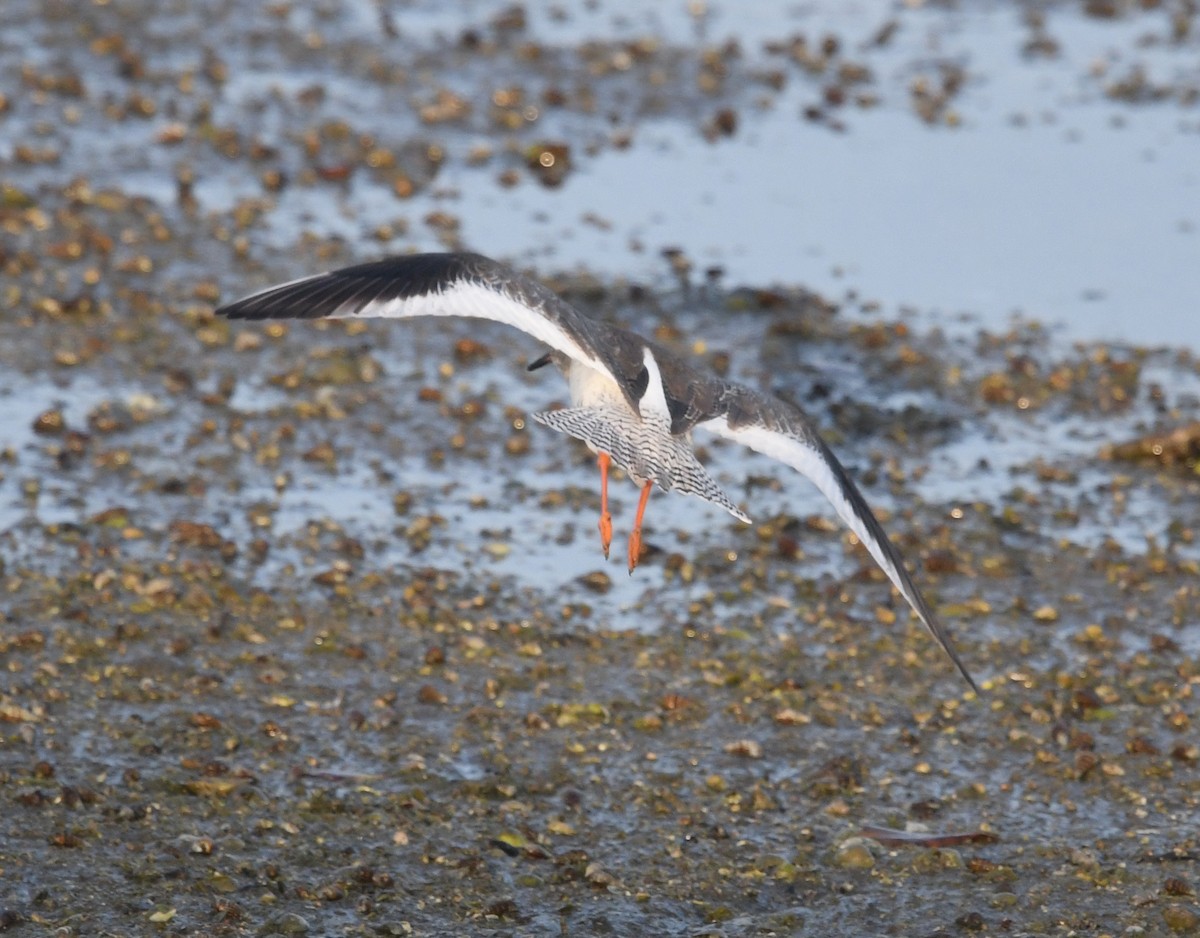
634, 403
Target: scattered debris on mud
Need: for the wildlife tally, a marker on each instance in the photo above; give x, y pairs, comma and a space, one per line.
306, 630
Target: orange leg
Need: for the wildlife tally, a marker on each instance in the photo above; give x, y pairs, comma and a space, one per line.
605, 518
635, 539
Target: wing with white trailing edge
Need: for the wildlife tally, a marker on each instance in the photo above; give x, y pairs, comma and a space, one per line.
453, 284
773, 428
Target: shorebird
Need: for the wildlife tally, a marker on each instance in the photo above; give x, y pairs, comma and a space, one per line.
633, 402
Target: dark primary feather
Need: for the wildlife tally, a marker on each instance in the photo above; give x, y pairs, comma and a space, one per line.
348, 289
915, 596
346, 292
742, 407
694, 397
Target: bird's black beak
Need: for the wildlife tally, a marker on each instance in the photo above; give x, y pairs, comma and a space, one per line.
540, 363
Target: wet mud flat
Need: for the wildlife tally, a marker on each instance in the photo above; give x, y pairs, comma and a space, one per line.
306, 630
231, 709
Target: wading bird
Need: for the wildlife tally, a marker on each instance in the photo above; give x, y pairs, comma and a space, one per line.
634, 403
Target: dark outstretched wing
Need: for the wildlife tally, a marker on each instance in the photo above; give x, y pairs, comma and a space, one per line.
455, 284
781, 431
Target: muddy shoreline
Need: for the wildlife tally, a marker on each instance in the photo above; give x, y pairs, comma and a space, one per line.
306, 629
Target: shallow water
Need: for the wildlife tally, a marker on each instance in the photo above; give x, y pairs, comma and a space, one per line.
1048, 199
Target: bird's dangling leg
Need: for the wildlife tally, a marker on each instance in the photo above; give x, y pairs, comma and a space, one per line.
635, 539
605, 518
